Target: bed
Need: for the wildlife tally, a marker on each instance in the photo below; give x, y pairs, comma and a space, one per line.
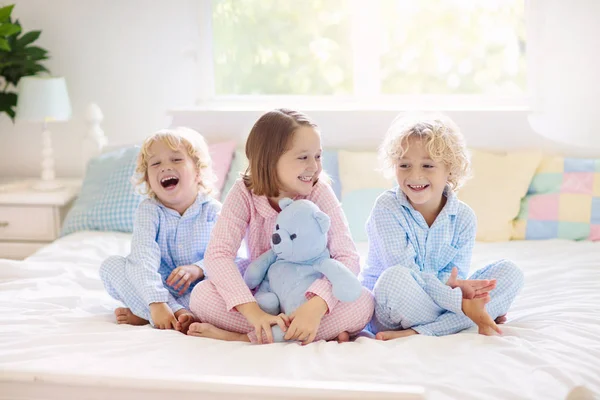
59, 338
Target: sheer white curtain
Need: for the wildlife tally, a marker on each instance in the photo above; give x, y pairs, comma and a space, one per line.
564, 70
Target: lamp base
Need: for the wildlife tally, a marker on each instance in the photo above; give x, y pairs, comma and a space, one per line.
47, 186
48, 183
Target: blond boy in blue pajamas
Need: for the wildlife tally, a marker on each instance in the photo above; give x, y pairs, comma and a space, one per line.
170, 234
421, 238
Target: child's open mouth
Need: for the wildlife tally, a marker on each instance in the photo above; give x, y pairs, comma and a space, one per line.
305, 179
169, 182
418, 188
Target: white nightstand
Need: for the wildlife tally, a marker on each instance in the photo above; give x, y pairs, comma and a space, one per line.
30, 219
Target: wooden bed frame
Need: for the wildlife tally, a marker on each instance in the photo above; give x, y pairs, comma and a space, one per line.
56, 387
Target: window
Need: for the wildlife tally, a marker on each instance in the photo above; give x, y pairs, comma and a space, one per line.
282, 47
371, 48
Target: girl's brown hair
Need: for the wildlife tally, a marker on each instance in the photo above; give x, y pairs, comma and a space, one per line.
269, 138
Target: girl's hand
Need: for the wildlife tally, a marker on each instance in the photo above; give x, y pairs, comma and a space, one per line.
182, 277
471, 288
162, 316
261, 321
305, 320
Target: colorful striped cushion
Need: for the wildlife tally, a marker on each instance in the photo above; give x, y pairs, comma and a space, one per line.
238, 166
222, 155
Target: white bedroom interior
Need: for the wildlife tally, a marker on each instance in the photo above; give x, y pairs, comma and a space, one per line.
530, 87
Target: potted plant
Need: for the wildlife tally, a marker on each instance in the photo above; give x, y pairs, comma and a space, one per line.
18, 58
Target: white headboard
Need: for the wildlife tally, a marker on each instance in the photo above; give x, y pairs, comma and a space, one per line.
363, 129
94, 141
496, 130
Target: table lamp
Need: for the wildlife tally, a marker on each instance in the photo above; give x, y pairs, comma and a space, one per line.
44, 99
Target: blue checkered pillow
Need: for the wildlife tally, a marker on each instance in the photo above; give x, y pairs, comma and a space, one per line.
108, 199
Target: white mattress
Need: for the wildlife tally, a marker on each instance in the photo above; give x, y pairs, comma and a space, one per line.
57, 328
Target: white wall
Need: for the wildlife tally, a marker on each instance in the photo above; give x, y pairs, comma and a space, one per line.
563, 43
133, 58
359, 129
128, 56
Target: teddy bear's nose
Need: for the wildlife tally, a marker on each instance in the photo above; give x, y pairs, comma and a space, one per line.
276, 238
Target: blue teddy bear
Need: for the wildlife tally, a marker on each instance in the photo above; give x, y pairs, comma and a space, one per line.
297, 258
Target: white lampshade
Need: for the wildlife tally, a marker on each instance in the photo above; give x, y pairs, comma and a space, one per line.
43, 99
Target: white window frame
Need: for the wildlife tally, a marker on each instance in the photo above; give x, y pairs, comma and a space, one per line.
367, 84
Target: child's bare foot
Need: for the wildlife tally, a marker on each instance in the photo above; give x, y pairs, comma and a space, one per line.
343, 337
205, 330
125, 316
501, 319
389, 335
184, 320
475, 310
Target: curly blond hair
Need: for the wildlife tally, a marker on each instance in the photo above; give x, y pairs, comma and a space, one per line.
443, 140
196, 148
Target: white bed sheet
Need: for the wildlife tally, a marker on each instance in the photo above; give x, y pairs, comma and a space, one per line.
56, 321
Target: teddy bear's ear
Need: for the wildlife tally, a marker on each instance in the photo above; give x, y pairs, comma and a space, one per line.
286, 201
323, 220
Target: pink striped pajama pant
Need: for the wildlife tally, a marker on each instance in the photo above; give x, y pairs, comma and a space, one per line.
208, 306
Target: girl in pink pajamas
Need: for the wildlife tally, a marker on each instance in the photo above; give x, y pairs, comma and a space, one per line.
284, 154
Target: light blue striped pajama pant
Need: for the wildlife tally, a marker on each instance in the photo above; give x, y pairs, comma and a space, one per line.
112, 273
401, 301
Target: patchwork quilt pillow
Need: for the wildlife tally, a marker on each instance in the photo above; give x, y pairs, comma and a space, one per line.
563, 201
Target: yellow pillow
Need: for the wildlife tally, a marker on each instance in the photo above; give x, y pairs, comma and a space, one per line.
359, 170
495, 191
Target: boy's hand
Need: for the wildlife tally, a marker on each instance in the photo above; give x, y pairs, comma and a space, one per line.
162, 316
182, 277
471, 288
305, 320
475, 310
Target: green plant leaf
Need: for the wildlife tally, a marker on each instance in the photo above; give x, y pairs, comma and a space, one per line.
5, 12
39, 68
18, 58
8, 99
4, 44
35, 53
27, 38
9, 29
12, 75
8, 102
34, 69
